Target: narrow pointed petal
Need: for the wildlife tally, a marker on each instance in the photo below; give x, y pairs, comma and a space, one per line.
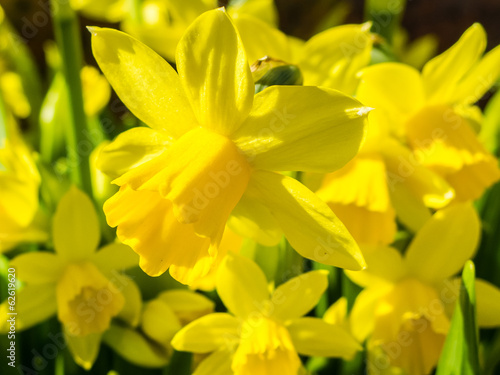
445, 242
207, 334
134, 347
159, 322
488, 304
299, 295
34, 304
333, 57
187, 304
307, 222
383, 265
441, 74
261, 40
217, 363
132, 309
76, 226
241, 285
251, 219
297, 128
214, 71
479, 79
144, 81
84, 349
115, 256
397, 97
131, 149
315, 337
38, 267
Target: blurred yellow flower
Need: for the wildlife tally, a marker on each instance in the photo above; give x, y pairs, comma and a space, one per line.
434, 112
81, 285
265, 331
331, 58
211, 145
149, 344
406, 305
20, 217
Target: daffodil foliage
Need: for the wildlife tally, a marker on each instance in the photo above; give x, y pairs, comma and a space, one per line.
208, 195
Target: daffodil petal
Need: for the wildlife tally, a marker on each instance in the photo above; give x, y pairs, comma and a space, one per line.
479, 79
84, 349
441, 74
405, 168
115, 256
38, 267
397, 97
384, 265
250, 218
410, 209
159, 322
336, 314
34, 304
214, 71
297, 128
187, 304
444, 243
488, 304
217, 363
333, 57
132, 309
241, 285
131, 149
145, 82
299, 295
264, 10
261, 40
307, 222
76, 226
315, 337
134, 347
207, 334
362, 317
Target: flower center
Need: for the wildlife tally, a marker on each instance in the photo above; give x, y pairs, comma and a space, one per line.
265, 348
86, 299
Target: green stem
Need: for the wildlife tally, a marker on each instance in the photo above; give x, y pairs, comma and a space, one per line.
386, 16
135, 11
78, 145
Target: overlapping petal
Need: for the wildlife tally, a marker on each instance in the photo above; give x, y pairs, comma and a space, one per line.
315, 337
439, 250
76, 226
293, 128
214, 72
242, 286
310, 226
146, 83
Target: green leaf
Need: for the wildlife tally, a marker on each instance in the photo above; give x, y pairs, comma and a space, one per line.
460, 353
490, 129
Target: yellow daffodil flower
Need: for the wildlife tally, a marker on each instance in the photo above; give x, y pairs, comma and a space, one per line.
264, 332
433, 111
161, 318
20, 217
331, 58
405, 307
211, 148
380, 184
81, 285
